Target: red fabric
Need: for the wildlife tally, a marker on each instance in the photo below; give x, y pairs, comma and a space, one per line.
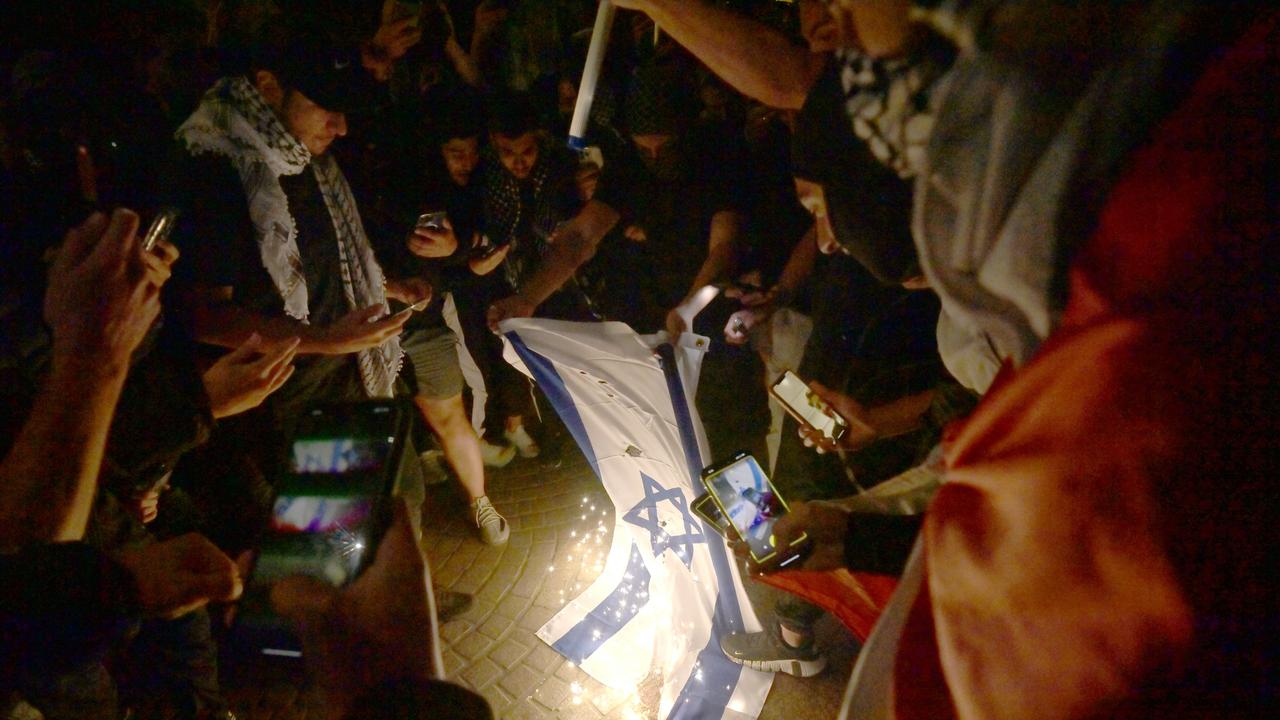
855, 599
1108, 530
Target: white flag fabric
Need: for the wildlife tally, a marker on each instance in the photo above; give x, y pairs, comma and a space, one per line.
670, 587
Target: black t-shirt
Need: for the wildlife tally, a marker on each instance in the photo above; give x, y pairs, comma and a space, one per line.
675, 212
219, 249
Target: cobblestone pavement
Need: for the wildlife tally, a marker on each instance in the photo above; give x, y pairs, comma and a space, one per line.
556, 511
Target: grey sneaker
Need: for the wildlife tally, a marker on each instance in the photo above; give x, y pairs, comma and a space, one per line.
766, 651
493, 527
450, 605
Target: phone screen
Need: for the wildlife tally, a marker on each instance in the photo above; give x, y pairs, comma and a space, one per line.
705, 508
747, 498
806, 407
329, 513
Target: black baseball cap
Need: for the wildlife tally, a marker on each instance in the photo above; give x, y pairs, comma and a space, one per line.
329, 72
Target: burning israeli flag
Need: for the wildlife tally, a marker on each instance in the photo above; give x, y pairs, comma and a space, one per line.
670, 588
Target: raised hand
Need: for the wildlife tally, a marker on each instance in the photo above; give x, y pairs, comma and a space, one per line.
103, 293
246, 376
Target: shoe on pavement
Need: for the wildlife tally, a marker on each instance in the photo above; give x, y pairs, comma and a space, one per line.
496, 456
766, 651
493, 527
523, 442
433, 470
450, 605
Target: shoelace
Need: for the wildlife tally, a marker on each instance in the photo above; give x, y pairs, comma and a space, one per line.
485, 513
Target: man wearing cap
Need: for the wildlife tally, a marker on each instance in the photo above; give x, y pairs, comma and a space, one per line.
277, 242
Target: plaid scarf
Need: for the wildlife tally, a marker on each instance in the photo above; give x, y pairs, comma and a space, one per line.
234, 121
888, 101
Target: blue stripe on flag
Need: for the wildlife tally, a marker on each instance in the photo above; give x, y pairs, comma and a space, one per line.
593, 630
544, 373
707, 692
610, 616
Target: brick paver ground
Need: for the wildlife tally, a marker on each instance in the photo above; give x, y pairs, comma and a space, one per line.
560, 521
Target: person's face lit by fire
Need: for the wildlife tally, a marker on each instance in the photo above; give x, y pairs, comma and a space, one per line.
313, 126
518, 155
461, 156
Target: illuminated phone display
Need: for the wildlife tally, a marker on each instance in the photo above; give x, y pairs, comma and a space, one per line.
331, 510
335, 456
748, 499
806, 407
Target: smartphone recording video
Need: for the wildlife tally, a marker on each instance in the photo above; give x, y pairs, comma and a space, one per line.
806, 407
331, 510
705, 507
745, 495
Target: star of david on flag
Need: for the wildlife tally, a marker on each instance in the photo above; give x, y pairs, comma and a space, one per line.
645, 516
670, 588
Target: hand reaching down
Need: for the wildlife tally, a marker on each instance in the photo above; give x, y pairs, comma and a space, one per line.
246, 376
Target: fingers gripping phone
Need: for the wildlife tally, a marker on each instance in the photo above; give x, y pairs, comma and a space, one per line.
332, 507
745, 496
160, 229
432, 220
806, 407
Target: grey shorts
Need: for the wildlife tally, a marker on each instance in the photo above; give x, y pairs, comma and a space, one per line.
434, 355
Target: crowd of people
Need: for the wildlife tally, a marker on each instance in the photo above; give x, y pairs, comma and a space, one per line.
1028, 246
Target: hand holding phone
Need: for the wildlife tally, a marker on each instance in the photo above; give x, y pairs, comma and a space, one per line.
810, 410
332, 508
747, 498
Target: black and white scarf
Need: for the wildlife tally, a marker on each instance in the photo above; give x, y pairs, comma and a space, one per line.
887, 101
234, 121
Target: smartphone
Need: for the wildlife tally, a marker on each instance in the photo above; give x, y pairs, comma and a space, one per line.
747, 498
432, 220
161, 228
332, 507
806, 407
705, 507
486, 249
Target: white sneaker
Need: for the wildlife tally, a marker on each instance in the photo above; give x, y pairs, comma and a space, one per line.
496, 456
523, 443
493, 527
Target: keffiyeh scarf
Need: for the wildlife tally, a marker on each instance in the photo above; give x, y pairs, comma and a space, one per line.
888, 101
234, 121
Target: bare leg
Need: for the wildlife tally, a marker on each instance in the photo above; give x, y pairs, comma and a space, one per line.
448, 420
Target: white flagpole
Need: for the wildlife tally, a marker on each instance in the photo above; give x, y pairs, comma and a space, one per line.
591, 75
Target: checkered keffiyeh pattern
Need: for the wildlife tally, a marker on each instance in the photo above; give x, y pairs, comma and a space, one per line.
234, 121
888, 101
